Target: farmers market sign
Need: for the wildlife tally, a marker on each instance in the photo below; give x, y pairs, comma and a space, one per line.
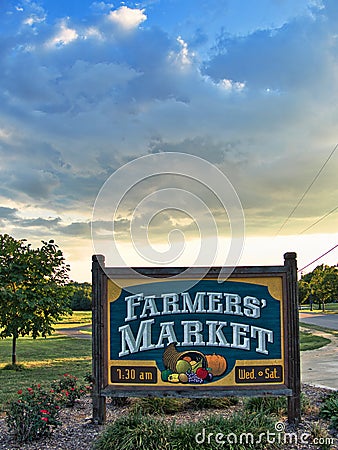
196, 336
163, 332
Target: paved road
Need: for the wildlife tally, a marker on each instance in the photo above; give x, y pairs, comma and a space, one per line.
322, 320
320, 366
75, 332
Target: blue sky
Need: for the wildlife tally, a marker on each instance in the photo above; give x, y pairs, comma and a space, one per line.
251, 86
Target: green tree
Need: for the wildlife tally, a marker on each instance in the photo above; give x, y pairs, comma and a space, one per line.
324, 284
33, 289
304, 291
81, 297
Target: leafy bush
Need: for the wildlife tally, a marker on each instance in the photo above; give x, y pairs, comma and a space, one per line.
329, 409
69, 389
33, 415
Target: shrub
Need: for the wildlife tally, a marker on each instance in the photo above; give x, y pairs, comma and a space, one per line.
213, 403
69, 389
135, 431
268, 405
329, 409
158, 405
119, 402
16, 367
33, 415
143, 432
239, 431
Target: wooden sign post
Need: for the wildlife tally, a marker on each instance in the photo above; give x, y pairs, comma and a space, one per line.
183, 333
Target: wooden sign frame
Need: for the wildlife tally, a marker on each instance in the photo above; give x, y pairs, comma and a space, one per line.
290, 386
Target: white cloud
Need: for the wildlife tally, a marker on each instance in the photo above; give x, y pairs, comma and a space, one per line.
63, 36
127, 18
261, 107
184, 56
229, 85
5, 134
33, 19
93, 32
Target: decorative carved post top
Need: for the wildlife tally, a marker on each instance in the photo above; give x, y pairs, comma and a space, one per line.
290, 255
98, 258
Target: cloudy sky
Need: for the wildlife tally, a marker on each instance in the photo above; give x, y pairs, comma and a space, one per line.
250, 86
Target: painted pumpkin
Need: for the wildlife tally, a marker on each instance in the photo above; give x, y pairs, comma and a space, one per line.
217, 364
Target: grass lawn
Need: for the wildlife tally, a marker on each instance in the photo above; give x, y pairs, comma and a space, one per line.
310, 326
78, 319
330, 308
44, 360
309, 341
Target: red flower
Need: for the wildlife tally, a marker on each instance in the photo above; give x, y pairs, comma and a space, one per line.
66, 393
20, 391
29, 389
44, 411
39, 385
45, 419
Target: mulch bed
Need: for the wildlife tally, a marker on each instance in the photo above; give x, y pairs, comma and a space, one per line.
78, 433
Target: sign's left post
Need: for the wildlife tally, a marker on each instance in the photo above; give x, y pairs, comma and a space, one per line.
99, 296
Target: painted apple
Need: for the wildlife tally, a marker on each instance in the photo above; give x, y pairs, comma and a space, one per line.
202, 373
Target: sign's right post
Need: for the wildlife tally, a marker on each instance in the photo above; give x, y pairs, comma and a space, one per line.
294, 407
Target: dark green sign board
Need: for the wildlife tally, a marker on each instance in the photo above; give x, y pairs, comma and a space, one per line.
168, 332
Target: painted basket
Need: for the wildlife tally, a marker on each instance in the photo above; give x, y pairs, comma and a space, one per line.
171, 356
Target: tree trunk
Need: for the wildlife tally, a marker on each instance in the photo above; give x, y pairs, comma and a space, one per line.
14, 350
323, 303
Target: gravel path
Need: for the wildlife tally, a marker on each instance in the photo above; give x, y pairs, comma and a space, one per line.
78, 433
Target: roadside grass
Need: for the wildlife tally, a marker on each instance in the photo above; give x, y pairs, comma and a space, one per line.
330, 308
86, 331
309, 341
77, 319
43, 361
310, 326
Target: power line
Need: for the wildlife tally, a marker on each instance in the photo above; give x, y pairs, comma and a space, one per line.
319, 220
318, 258
307, 190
